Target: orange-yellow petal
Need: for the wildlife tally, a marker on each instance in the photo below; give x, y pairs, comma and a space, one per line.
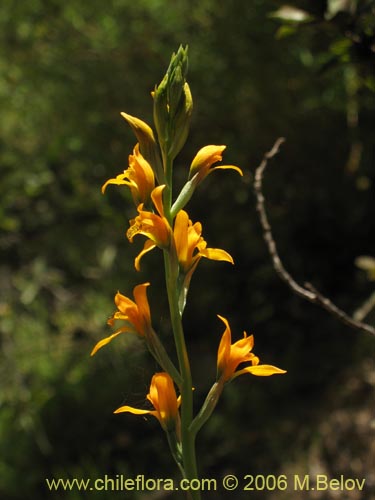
260, 370
157, 198
141, 174
142, 131
135, 411
227, 167
205, 157
106, 341
148, 246
123, 303
216, 254
151, 225
180, 233
163, 397
140, 296
118, 181
224, 348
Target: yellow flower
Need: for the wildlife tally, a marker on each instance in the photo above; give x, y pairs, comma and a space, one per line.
230, 355
205, 158
139, 177
136, 315
154, 226
163, 397
190, 245
147, 143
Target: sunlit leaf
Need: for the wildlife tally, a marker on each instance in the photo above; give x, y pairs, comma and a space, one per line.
291, 14
336, 6
366, 263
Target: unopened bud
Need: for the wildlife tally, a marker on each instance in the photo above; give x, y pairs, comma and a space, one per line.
182, 121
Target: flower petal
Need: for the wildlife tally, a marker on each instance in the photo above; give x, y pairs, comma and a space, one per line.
148, 246
119, 180
216, 254
260, 370
135, 411
151, 225
180, 233
163, 397
107, 340
140, 128
140, 295
223, 353
157, 198
227, 167
123, 303
205, 157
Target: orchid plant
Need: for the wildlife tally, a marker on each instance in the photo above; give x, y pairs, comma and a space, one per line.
166, 225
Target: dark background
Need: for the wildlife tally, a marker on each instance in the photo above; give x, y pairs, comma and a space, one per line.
67, 70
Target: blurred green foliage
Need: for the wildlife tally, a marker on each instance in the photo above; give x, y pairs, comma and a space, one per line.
67, 69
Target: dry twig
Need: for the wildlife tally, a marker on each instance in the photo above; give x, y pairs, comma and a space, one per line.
307, 291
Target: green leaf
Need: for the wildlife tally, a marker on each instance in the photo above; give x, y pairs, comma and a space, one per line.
285, 30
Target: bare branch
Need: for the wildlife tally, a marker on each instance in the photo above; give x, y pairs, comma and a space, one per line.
307, 291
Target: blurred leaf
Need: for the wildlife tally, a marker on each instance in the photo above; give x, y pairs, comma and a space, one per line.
285, 31
366, 263
292, 14
340, 47
336, 6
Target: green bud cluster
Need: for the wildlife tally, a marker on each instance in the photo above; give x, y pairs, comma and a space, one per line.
173, 105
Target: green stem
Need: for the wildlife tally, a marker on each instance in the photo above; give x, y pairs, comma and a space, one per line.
184, 196
208, 407
159, 353
173, 446
186, 389
168, 168
189, 461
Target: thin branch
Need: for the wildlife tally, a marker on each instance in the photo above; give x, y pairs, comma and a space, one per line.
307, 291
